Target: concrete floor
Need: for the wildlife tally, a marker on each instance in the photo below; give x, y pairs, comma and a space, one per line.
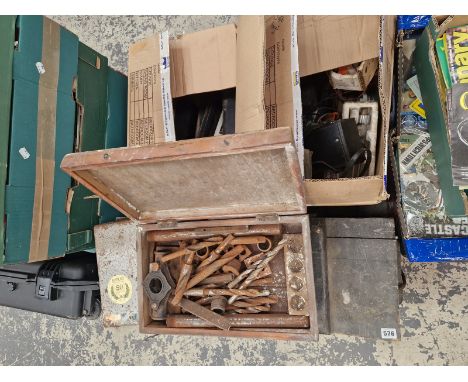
434, 312
434, 320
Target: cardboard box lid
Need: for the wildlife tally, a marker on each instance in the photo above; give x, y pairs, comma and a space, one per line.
203, 61
328, 42
217, 177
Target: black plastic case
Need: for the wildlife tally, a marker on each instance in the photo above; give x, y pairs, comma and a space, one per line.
65, 287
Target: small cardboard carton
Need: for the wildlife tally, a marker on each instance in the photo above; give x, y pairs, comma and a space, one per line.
282, 49
161, 69
150, 118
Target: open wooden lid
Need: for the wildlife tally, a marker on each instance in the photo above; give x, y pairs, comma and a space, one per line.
217, 177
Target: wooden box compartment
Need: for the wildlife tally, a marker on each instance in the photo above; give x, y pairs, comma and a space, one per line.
291, 225
232, 180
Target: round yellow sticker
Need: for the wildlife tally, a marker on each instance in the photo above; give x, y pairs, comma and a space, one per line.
119, 289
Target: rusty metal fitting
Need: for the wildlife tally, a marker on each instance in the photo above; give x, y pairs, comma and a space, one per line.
233, 267
218, 304
202, 254
265, 246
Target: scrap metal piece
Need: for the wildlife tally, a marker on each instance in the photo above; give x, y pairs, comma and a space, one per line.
206, 233
218, 279
254, 272
265, 246
233, 267
251, 261
265, 272
186, 250
203, 253
247, 253
250, 309
154, 267
218, 304
253, 302
156, 286
226, 292
245, 240
205, 314
212, 268
184, 276
296, 280
259, 320
267, 281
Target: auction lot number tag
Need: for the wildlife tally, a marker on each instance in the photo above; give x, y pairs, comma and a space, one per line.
388, 333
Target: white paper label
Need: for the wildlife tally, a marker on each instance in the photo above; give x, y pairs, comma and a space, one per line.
413, 83
24, 153
388, 333
40, 67
166, 96
297, 103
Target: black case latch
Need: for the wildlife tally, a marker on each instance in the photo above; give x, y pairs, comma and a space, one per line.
45, 283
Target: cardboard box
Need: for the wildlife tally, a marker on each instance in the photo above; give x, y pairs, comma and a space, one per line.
323, 43
433, 94
328, 42
150, 118
161, 69
42, 132
260, 194
73, 104
203, 61
101, 103
429, 232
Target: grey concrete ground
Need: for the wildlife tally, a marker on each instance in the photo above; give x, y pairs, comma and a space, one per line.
434, 319
434, 312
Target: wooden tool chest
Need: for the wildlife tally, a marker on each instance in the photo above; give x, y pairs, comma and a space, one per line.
244, 188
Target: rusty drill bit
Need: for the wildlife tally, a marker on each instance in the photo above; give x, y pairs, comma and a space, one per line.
254, 272
184, 276
226, 292
250, 309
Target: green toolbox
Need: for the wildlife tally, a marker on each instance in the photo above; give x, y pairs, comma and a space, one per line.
64, 98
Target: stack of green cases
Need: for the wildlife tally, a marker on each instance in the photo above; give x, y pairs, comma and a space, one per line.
89, 114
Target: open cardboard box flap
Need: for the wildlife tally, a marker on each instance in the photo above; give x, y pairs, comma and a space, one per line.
217, 177
328, 42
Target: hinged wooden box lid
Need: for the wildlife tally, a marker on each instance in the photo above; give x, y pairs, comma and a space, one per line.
217, 177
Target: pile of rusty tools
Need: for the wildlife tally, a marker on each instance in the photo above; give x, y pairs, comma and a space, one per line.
223, 280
